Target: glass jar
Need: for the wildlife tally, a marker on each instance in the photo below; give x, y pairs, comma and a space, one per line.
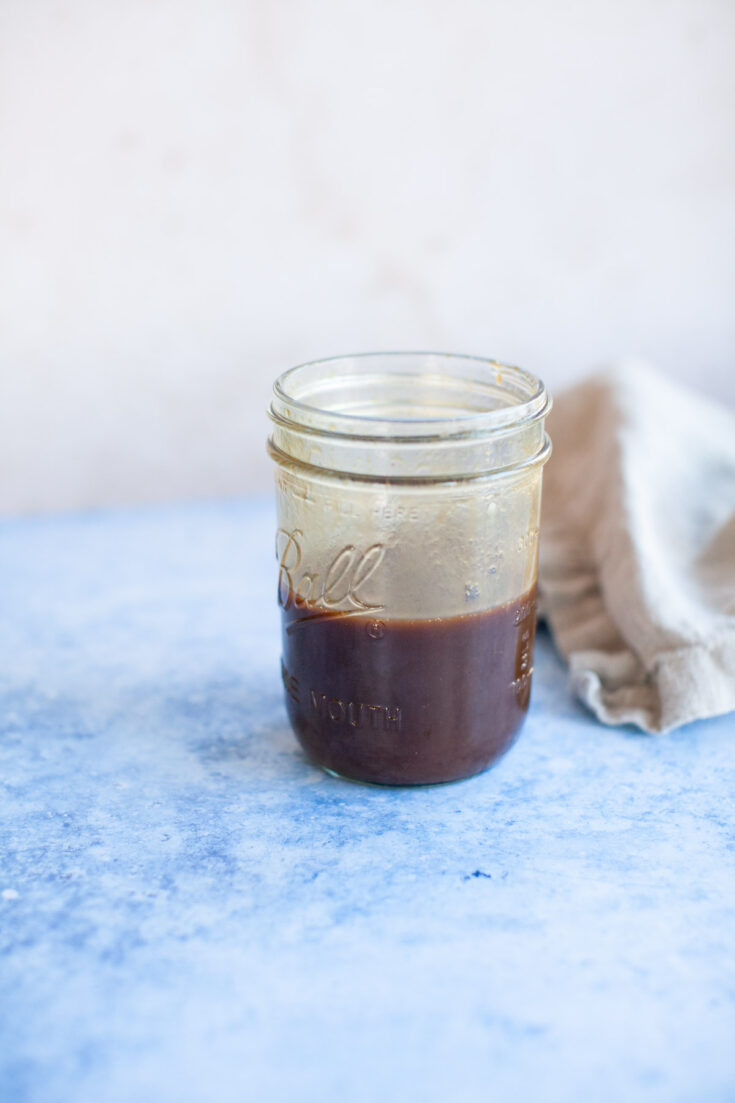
408, 492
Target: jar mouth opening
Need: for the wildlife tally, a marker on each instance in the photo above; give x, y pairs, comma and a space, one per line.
407, 396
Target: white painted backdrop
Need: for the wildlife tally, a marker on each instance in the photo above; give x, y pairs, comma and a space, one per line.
196, 194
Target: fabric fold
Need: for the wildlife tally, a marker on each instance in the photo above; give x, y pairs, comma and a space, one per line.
637, 557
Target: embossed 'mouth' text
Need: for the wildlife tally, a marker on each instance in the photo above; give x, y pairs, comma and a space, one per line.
358, 714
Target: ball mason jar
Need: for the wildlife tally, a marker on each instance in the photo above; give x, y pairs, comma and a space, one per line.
408, 495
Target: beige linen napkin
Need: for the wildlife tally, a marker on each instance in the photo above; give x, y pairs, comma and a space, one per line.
637, 558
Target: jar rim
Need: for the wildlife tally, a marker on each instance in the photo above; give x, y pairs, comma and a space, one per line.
498, 397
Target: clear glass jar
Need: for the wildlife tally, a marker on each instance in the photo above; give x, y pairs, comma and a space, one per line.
408, 491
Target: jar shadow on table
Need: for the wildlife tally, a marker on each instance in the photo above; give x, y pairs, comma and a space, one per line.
235, 721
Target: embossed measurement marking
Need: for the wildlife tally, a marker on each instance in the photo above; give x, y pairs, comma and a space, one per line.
290, 683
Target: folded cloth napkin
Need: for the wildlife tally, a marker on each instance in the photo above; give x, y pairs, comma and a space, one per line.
637, 557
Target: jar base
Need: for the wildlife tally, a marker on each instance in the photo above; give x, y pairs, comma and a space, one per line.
410, 784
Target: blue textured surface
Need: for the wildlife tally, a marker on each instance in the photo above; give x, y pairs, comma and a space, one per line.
189, 911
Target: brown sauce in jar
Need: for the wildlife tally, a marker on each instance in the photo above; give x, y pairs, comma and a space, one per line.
407, 702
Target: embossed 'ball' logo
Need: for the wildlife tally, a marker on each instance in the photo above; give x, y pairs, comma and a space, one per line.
338, 587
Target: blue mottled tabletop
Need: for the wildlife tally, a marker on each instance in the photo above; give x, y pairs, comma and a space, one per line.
190, 911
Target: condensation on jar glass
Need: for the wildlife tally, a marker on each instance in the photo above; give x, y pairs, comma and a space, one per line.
408, 499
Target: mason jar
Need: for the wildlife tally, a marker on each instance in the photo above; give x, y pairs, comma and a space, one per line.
408, 497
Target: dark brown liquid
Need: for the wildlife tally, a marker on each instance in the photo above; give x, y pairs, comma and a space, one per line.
407, 702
